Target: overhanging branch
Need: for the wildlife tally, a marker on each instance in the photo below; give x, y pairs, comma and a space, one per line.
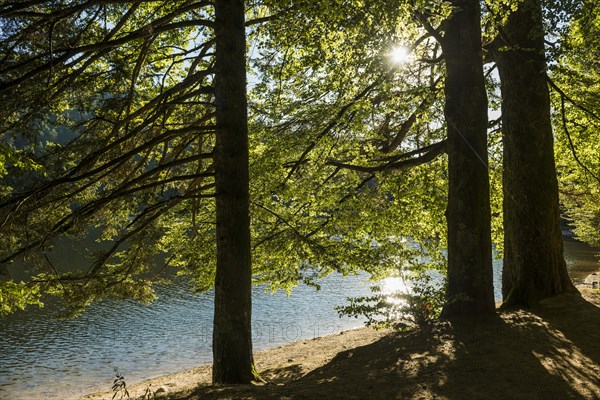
429, 153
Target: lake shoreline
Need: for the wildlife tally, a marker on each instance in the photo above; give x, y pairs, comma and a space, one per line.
306, 355
172, 335
567, 345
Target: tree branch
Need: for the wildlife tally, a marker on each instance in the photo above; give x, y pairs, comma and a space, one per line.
570, 100
408, 124
431, 152
571, 146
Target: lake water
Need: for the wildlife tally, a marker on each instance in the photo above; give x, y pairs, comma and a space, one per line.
42, 357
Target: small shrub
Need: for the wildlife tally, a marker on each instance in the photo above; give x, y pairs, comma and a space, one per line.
119, 387
420, 306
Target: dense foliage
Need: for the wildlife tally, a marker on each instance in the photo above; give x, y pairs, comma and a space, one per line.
108, 108
109, 119
108, 128
576, 98
336, 126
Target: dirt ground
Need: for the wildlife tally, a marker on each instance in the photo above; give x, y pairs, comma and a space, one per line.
551, 353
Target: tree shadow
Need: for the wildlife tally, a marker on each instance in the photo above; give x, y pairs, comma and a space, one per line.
515, 356
577, 319
282, 374
549, 354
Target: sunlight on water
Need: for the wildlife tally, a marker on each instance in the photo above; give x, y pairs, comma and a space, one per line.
394, 285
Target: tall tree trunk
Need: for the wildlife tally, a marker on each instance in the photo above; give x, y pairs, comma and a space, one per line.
534, 266
470, 289
232, 341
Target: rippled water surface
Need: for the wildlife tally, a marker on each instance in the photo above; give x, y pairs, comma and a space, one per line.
42, 357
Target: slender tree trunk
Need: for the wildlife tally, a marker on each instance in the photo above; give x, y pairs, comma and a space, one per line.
232, 341
470, 289
534, 266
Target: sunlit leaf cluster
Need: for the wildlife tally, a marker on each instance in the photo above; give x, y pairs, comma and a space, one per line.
577, 123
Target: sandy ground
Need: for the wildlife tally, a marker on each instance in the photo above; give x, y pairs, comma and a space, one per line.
551, 353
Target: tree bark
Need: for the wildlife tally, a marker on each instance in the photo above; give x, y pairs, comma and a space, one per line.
534, 266
470, 289
232, 340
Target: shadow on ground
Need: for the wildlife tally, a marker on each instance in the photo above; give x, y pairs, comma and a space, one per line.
551, 353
